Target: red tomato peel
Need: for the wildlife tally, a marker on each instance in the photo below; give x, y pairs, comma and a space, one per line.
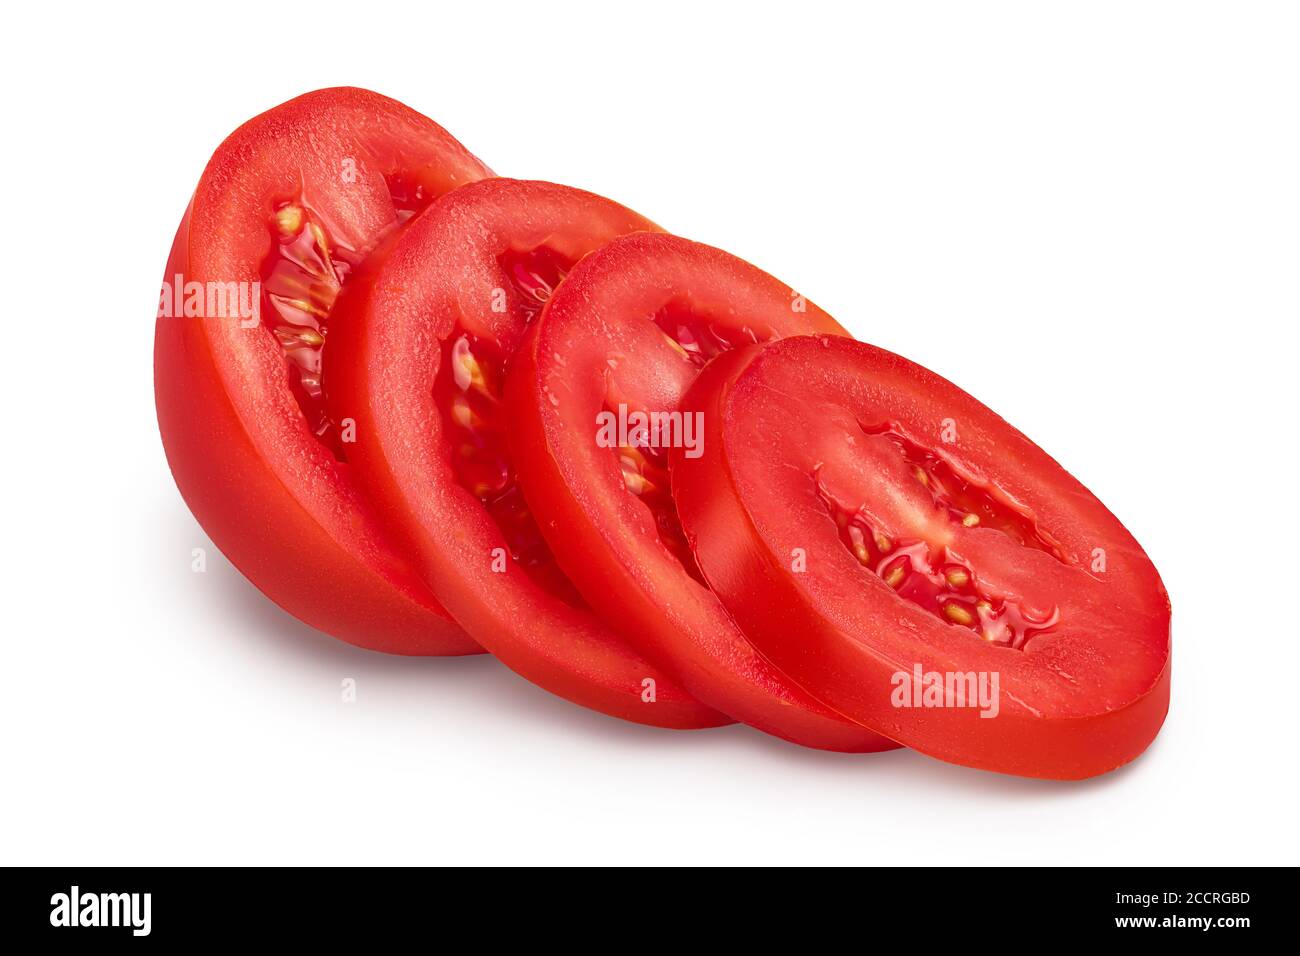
286, 207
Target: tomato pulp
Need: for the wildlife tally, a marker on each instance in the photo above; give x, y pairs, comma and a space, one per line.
288, 206
901, 552
428, 330
623, 337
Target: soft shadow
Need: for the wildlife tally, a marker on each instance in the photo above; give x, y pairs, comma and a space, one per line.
260, 621
485, 680
905, 763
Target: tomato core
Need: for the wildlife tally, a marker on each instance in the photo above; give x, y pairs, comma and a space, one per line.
934, 576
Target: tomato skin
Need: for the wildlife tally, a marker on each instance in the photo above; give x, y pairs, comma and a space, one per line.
269, 495
594, 336
441, 280
1075, 703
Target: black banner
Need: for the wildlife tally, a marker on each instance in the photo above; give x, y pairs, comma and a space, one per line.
296, 905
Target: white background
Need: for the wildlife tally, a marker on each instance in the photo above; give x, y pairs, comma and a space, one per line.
1086, 215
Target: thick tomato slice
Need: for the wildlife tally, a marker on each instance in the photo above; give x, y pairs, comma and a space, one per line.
286, 209
428, 329
625, 334
920, 565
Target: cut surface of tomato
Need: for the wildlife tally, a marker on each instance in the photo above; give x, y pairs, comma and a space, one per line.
913, 560
429, 330
286, 210
623, 337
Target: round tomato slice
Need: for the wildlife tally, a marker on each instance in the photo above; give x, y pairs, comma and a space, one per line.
920, 565
428, 330
287, 208
623, 337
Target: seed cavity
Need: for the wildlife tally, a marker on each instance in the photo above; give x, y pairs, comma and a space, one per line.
935, 578
645, 475
697, 339
966, 499
467, 391
534, 274
301, 280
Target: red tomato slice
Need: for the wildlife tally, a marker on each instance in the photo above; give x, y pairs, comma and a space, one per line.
427, 332
287, 207
920, 565
630, 328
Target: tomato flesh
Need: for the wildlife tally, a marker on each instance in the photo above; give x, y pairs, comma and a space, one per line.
431, 329
290, 204
931, 538
625, 334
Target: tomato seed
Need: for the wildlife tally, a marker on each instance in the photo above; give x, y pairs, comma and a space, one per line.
957, 614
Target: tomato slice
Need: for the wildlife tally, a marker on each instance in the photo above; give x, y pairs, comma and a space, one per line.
287, 208
910, 558
625, 334
428, 331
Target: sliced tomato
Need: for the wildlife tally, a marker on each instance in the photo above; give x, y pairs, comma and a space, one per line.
428, 331
625, 335
287, 208
920, 565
